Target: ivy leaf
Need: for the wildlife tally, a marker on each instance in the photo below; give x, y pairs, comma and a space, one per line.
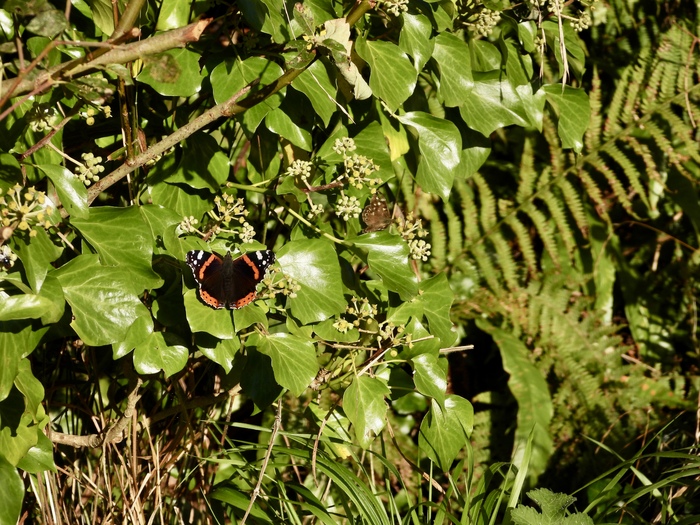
204, 165
443, 433
387, 255
316, 83
122, 238
37, 254
221, 351
454, 60
230, 77
415, 39
12, 492
293, 360
156, 354
280, 123
70, 189
103, 305
175, 73
495, 103
17, 339
24, 306
430, 376
313, 264
437, 298
392, 76
364, 404
202, 318
440, 146
574, 111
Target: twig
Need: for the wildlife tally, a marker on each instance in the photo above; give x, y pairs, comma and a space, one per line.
113, 433
266, 459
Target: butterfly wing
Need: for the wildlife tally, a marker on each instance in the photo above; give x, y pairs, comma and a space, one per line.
245, 274
207, 269
376, 214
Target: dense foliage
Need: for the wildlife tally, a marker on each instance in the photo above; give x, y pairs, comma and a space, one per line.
507, 187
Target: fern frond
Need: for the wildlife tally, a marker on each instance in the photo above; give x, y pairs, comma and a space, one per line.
438, 241
454, 232
543, 230
573, 203
487, 203
527, 248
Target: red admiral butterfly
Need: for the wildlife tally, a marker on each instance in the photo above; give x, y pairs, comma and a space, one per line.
225, 282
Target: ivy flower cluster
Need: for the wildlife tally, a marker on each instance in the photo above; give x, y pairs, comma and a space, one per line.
358, 169
228, 209
42, 117
89, 114
188, 225
361, 309
344, 146
487, 20
90, 170
347, 207
300, 168
286, 285
395, 335
24, 209
413, 232
394, 7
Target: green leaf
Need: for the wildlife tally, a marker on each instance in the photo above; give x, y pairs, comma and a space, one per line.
392, 76
173, 14
102, 15
387, 255
158, 353
204, 165
496, 103
70, 189
39, 458
258, 380
453, 58
175, 73
575, 54
122, 238
20, 429
443, 433
202, 318
230, 77
318, 86
532, 394
139, 331
313, 264
37, 253
221, 351
48, 23
437, 298
430, 377
440, 145
17, 340
24, 306
293, 360
364, 404
415, 39
574, 112
103, 305
12, 493
280, 123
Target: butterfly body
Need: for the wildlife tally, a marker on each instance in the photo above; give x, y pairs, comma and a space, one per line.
225, 282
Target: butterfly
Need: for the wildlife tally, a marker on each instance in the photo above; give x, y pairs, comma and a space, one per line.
376, 214
227, 282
